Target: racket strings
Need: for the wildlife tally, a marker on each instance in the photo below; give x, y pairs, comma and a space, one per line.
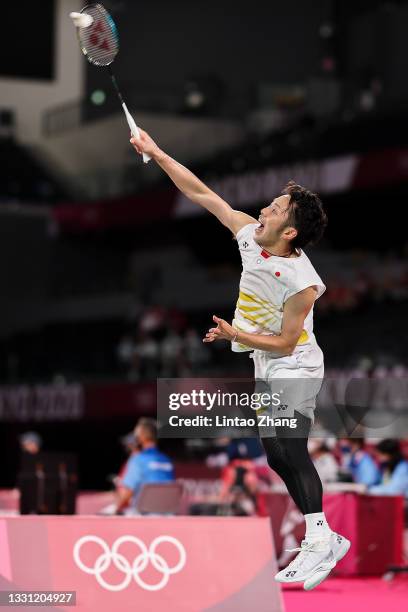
100, 40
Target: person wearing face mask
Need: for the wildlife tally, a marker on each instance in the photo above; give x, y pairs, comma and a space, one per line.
394, 468
323, 459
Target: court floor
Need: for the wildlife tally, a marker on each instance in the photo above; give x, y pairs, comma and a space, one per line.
351, 594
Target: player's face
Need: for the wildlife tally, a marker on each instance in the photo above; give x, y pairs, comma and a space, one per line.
272, 221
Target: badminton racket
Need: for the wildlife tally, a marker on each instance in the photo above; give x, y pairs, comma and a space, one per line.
99, 40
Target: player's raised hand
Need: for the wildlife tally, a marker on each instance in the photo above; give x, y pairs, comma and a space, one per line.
144, 144
223, 331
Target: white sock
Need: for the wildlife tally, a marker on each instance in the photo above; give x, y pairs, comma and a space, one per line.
316, 526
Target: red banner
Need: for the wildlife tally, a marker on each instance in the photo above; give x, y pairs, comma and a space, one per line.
76, 402
339, 174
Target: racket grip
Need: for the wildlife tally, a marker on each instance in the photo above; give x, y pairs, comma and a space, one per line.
134, 129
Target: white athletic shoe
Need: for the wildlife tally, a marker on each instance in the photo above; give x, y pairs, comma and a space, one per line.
315, 558
339, 547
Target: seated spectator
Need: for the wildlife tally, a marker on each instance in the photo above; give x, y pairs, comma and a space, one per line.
358, 462
323, 460
147, 466
394, 469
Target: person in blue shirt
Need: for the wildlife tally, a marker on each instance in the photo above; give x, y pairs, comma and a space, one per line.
359, 462
148, 465
394, 469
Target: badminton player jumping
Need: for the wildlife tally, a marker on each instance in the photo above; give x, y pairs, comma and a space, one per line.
274, 320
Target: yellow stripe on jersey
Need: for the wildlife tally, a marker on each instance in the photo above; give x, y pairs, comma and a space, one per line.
303, 338
254, 309
260, 319
261, 312
253, 300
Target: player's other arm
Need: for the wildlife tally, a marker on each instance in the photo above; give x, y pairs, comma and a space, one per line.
295, 311
189, 184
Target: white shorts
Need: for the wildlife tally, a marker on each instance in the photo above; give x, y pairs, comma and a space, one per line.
297, 379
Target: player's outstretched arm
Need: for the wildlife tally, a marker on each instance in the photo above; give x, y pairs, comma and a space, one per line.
194, 189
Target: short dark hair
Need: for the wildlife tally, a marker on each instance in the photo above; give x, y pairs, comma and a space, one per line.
389, 447
393, 449
306, 215
150, 427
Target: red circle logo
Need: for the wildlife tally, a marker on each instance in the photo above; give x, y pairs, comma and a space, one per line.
277, 273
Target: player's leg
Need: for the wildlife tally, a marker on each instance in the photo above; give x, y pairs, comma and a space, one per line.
288, 455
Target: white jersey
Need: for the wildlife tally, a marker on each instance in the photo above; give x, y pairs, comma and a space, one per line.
267, 282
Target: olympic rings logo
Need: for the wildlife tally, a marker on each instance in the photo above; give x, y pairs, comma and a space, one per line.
130, 569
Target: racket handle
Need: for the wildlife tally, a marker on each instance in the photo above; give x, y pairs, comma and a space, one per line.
134, 129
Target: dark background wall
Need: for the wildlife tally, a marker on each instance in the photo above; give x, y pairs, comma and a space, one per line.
163, 43
31, 53
246, 44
